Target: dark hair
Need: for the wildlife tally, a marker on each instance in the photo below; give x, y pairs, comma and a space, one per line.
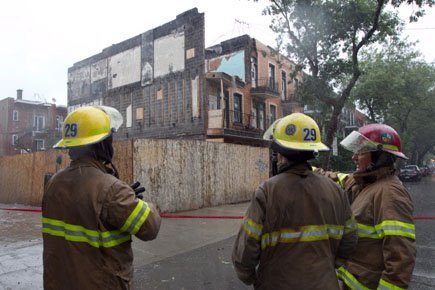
382, 159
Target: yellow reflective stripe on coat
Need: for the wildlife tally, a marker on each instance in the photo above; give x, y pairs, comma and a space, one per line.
303, 234
350, 225
252, 228
136, 218
341, 177
384, 285
349, 279
387, 228
76, 233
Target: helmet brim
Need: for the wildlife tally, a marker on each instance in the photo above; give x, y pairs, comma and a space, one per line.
66, 143
303, 146
357, 143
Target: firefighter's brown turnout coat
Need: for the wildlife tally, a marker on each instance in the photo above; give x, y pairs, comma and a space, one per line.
385, 255
88, 219
297, 226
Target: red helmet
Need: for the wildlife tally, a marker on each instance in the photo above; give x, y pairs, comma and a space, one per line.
374, 137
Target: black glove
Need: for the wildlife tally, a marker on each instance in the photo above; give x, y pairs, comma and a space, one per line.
138, 189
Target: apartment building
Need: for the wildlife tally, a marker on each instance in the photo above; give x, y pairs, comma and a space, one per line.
29, 126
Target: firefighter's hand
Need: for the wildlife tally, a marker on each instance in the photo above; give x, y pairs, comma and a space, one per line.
138, 189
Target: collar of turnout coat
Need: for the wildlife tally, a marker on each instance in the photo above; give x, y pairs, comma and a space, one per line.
372, 176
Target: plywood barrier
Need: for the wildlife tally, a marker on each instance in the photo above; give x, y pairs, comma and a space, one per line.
22, 176
189, 174
177, 174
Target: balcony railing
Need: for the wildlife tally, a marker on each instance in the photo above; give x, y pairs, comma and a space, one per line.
266, 86
236, 120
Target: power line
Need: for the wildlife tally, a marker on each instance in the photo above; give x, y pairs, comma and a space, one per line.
420, 28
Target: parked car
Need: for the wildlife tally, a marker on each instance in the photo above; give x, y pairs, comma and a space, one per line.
409, 174
416, 168
425, 170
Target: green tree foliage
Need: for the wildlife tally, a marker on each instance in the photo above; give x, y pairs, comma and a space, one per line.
398, 88
327, 37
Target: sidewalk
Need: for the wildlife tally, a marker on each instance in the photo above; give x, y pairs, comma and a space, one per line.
21, 241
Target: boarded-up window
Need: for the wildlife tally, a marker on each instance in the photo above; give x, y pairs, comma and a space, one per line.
139, 113
195, 107
190, 53
128, 113
159, 95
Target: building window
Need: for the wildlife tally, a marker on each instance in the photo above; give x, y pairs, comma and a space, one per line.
39, 123
237, 108
283, 86
39, 144
272, 77
272, 114
14, 140
59, 122
254, 72
253, 116
213, 103
258, 115
15, 115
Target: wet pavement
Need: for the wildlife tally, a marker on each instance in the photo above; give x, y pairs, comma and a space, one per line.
188, 254
20, 250
21, 244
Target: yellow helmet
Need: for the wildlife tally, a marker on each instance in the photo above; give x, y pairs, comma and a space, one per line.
89, 125
296, 131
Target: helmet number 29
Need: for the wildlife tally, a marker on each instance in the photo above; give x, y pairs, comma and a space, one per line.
309, 134
70, 130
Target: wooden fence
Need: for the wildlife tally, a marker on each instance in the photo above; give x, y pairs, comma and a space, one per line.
177, 174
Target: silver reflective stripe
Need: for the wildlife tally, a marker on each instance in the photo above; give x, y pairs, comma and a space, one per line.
77, 233
302, 234
349, 279
252, 228
317, 233
137, 218
96, 239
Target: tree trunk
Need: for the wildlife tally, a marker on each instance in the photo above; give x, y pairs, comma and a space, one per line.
330, 133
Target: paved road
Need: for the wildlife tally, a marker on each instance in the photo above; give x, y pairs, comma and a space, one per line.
423, 195
189, 254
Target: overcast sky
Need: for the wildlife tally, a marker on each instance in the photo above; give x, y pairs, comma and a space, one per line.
41, 39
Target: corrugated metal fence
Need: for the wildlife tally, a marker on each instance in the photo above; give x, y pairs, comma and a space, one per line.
177, 174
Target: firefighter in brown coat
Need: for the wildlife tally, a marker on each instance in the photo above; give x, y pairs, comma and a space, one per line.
89, 215
385, 255
299, 225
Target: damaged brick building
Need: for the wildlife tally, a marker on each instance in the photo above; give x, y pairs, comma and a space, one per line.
167, 84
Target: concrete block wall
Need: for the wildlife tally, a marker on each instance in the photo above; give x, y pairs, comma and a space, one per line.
160, 93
